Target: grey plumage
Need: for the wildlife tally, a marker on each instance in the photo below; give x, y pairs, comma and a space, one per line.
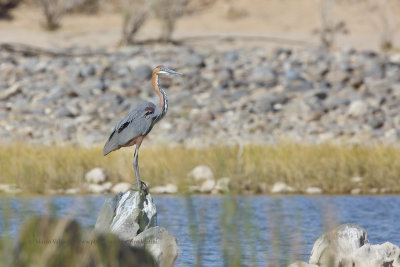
132, 129
138, 122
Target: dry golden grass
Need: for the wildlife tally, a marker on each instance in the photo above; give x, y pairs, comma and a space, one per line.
36, 169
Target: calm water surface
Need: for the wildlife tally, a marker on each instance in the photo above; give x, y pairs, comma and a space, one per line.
257, 229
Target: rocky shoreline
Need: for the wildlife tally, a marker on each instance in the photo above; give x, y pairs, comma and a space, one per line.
243, 95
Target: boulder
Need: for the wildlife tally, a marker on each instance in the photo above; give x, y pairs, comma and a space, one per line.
223, 185
96, 176
132, 216
313, 191
120, 187
281, 188
99, 188
357, 108
10, 189
159, 243
166, 189
207, 186
201, 173
72, 191
368, 255
302, 264
338, 244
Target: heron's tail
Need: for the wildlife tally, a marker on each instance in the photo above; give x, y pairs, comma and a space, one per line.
109, 147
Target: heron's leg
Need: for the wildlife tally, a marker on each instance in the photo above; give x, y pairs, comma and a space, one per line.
136, 163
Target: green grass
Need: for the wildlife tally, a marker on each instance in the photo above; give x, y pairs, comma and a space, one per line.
36, 169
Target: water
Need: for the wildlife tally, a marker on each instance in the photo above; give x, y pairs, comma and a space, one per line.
256, 229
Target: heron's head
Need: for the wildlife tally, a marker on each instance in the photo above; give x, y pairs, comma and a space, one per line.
163, 70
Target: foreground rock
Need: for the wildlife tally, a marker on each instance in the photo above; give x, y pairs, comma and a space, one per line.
132, 216
45, 241
348, 246
338, 244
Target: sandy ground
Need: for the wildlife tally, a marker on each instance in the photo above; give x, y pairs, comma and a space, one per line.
273, 20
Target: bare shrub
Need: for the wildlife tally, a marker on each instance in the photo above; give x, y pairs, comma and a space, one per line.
85, 6
135, 13
384, 20
6, 6
52, 11
169, 11
329, 26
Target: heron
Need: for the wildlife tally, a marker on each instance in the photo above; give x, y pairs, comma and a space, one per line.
134, 127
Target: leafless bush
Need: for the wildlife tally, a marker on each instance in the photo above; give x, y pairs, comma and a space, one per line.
85, 6
135, 13
169, 11
52, 11
329, 26
385, 21
6, 6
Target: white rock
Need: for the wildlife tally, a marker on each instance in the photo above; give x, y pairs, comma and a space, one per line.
302, 264
10, 189
223, 185
99, 188
281, 188
374, 190
313, 191
166, 189
356, 179
338, 244
355, 191
120, 187
368, 255
201, 173
96, 176
72, 191
207, 186
357, 108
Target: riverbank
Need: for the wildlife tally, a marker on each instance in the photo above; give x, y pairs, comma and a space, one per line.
334, 169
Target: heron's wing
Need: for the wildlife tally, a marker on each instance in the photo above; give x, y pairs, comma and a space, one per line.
136, 123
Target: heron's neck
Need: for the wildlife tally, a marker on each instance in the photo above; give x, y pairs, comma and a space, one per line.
163, 102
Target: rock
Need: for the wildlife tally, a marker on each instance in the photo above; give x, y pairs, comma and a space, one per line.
12, 90
120, 187
167, 189
69, 246
313, 191
142, 72
132, 216
368, 255
302, 264
338, 244
72, 191
10, 189
355, 191
281, 188
195, 60
356, 179
357, 109
99, 189
201, 173
207, 186
159, 243
96, 175
223, 185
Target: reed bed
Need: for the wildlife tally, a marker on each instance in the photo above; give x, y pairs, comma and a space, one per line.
37, 169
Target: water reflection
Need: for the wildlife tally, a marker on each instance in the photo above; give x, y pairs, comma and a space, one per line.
224, 231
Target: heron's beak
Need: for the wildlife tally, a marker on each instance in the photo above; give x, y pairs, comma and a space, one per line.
168, 71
